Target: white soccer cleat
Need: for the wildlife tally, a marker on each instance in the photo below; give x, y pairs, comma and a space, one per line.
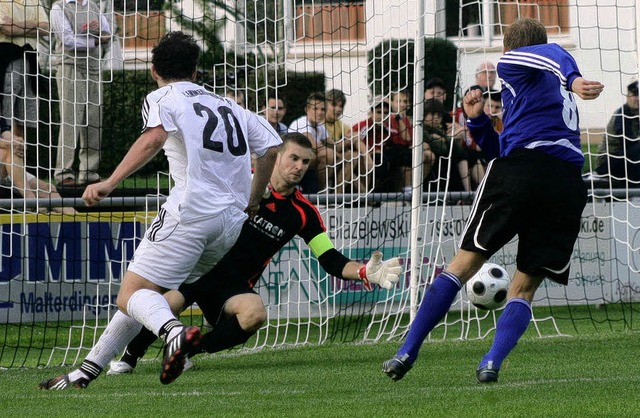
122, 367
119, 367
187, 364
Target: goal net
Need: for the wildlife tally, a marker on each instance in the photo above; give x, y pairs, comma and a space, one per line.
372, 61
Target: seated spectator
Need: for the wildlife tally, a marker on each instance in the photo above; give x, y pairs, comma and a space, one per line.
320, 174
13, 175
434, 88
493, 108
452, 125
390, 160
401, 129
619, 152
353, 162
441, 145
274, 112
237, 96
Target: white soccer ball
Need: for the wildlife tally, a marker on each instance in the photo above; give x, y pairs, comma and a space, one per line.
488, 288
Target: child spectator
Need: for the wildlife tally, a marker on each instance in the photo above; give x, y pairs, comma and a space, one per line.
353, 162
390, 159
319, 176
493, 108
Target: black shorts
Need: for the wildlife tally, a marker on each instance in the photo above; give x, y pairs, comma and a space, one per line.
211, 294
533, 195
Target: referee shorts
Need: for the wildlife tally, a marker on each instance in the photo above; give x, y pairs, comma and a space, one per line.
539, 198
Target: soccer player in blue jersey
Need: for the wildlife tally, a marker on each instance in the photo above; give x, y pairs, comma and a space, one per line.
533, 189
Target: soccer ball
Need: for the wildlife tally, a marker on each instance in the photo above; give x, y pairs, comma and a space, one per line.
488, 288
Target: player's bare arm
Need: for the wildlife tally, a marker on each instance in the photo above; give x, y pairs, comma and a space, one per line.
264, 168
585, 89
140, 153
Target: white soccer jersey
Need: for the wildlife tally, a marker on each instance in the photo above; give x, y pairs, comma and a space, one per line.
302, 125
209, 148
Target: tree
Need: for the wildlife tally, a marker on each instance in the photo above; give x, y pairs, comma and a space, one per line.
392, 66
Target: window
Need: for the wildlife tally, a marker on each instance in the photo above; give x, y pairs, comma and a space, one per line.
140, 22
554, 14
329, 21
464, 17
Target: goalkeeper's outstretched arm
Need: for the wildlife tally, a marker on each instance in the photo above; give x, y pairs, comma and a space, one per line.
383, 273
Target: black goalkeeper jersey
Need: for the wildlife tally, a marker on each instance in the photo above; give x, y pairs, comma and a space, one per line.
279, 219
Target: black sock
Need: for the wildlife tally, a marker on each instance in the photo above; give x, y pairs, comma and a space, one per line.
138, 346
90, 369
167, 327
226, 334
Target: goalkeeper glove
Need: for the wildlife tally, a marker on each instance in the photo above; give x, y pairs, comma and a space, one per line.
382, 273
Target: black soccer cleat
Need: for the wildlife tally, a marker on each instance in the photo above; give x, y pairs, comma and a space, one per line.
487, 373
396, 367
176, 351
63, 382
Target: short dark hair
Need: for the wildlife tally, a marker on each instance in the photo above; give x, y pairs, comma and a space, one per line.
295, 138
273, 94
492, 95
632, 89
336, 96
524, 32
175, 56
434, 82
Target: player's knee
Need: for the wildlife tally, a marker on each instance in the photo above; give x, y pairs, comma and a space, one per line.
252, 319
122, 303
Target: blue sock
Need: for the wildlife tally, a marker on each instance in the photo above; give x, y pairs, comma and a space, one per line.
512, 324
435, 305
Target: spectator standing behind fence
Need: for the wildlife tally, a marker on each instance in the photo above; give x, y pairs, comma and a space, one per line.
274, 112
13, 175
20, 23
353, 162
320, 175
619, 152
80, 30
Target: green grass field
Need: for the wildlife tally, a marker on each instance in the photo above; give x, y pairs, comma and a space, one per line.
588, 375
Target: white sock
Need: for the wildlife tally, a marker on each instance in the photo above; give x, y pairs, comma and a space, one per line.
120, 331
151, 309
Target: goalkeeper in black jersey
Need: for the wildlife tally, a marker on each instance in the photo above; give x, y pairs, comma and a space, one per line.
225, 294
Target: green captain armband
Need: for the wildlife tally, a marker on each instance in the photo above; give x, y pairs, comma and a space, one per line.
320, 244
331, 260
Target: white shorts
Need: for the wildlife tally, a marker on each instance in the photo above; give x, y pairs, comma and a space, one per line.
172, 253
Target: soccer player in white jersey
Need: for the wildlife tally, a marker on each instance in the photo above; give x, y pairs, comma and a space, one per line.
533, 189
208, 141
